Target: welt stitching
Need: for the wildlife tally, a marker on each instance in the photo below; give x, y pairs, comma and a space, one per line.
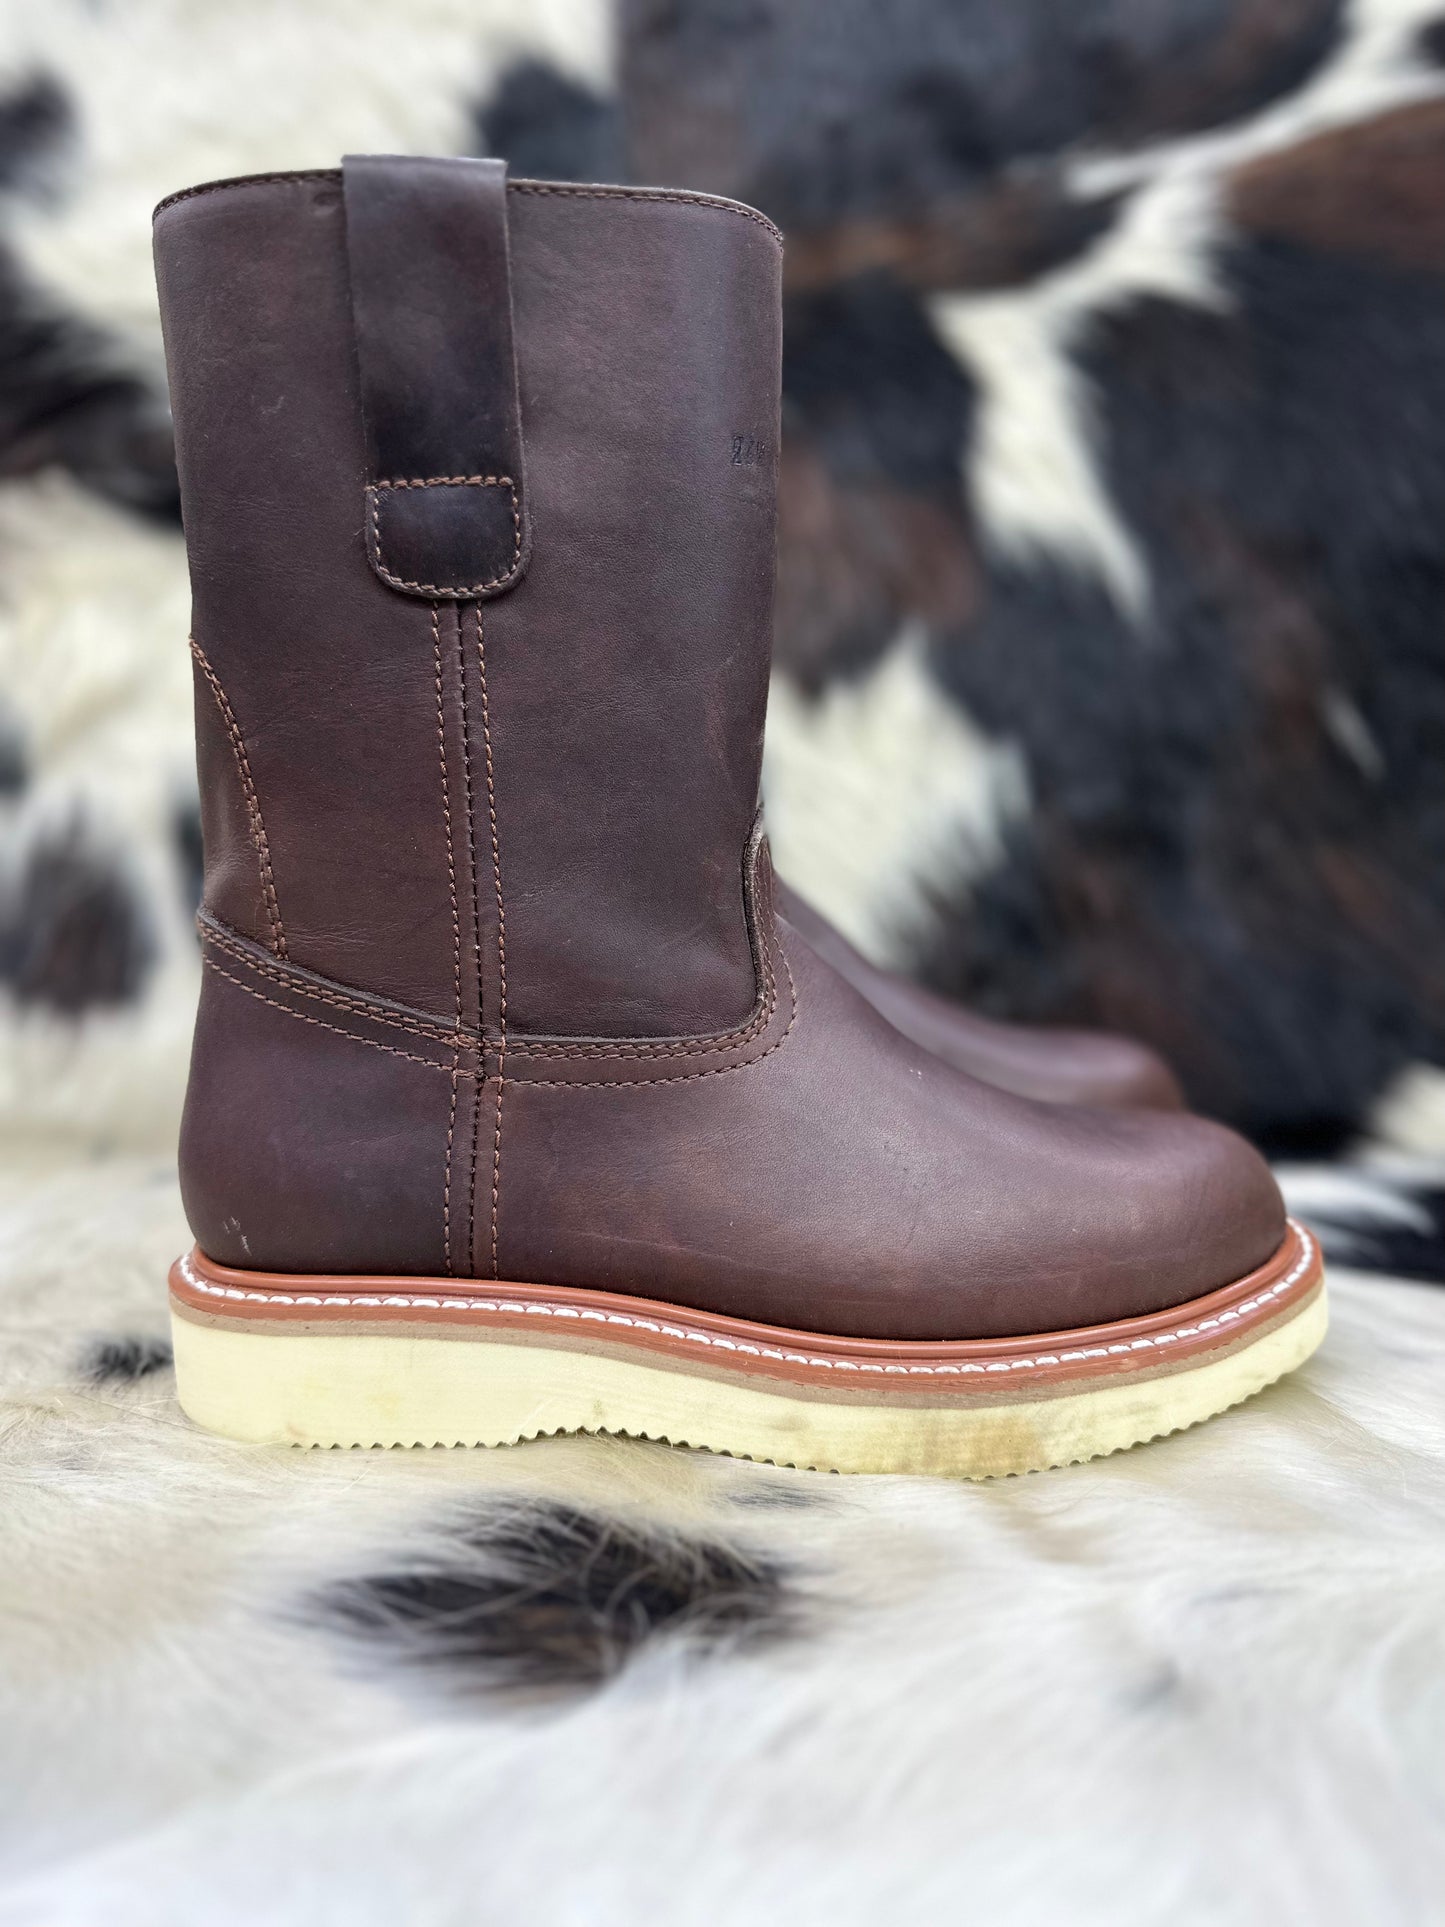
501, 934
1157, 1341
447, 481
436, 636
417, 1027
476, 925
368, 1043
253, 804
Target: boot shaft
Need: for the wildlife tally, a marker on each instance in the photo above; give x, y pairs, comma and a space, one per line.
482, 743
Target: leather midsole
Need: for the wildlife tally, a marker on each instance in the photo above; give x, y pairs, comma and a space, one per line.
708, 1342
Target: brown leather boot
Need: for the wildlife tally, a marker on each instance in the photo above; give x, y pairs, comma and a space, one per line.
514, 1108
1053, 1066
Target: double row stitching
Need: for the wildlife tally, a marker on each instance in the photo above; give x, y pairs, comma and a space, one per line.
376, 490
680, 1077
253, 805
436, 636
451, 1036
453, 1042
303, 1017
501, 936
476, 929
456, 1037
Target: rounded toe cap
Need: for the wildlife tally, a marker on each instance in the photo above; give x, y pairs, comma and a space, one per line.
1160, 1210
1208, 1213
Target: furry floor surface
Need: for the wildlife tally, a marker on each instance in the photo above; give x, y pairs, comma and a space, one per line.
591, 1682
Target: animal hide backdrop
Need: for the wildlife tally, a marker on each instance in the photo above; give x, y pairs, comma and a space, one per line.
1111, 688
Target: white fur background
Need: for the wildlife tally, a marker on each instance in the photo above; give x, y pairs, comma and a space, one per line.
1200, 1682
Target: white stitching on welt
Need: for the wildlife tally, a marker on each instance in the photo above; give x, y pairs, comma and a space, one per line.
536, 1310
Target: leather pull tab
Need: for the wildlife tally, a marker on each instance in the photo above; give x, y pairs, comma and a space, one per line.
431, 301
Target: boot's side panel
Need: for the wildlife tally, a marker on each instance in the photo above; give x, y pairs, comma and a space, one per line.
240, 885
627, 673
333, 760
329, 674
304, 1147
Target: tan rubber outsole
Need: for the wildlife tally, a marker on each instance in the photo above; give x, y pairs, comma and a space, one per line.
387, 1361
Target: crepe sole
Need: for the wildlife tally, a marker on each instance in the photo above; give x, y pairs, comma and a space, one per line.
274, 1358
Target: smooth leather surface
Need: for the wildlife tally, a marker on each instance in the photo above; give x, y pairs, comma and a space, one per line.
626, 673
1053, 1066
533, 1016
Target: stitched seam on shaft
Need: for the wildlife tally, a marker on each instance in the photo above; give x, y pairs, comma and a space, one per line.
645, 194
253, 803
247, 180
436, 636
711, 1046
531, 1083
1231, 1314
599, 193
447, 481
476, 928
501, 936
435, 1033
685, 1047
461, 1039
674, 1077
303, 1017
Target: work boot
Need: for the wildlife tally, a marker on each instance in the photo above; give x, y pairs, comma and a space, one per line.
514, 1108
1054, 1066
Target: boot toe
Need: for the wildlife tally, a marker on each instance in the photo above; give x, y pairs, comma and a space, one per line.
1214, 1214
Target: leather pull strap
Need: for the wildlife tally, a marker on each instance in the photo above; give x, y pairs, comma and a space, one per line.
431, 301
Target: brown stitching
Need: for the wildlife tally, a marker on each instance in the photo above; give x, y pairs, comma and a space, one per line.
246, 180
368, 1043
584, 1050
679, 1077
592, 1047
597, 193
580, 1050
253, 806
538, 1083
648, 194
501, 936
357, 1006
436, 637
375, 491
476, 927
451, 481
